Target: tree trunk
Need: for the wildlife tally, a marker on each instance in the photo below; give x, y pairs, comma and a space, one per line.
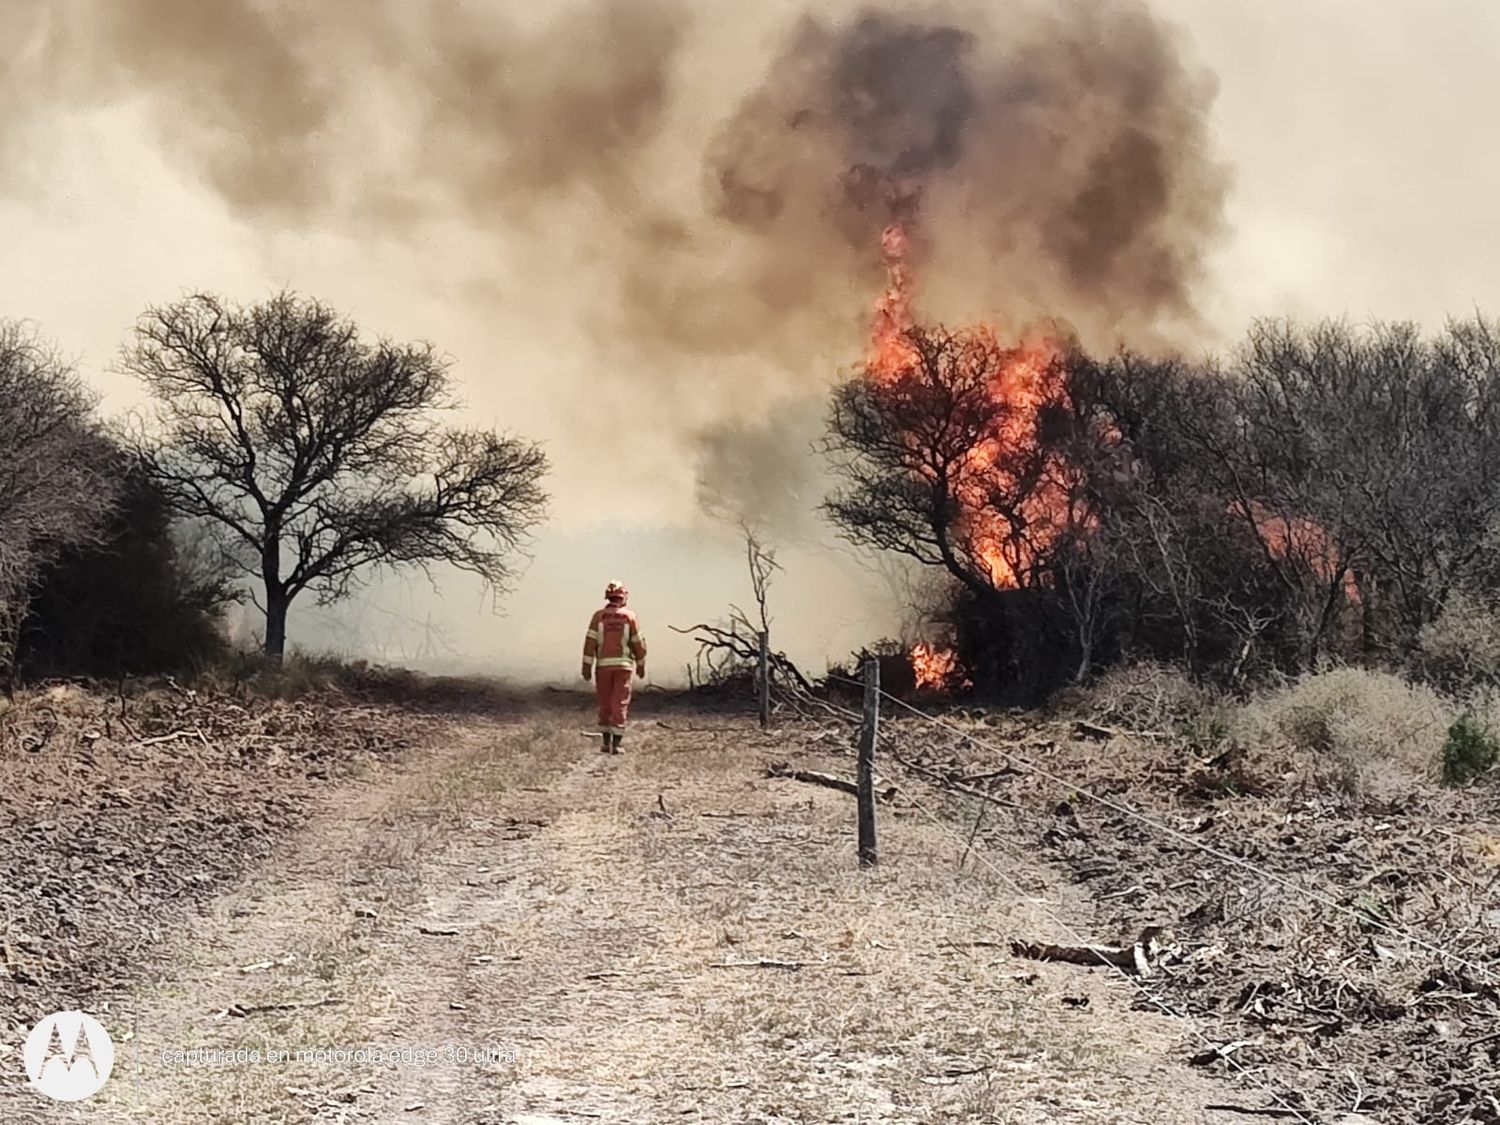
276, 607
1085, 655
277, 598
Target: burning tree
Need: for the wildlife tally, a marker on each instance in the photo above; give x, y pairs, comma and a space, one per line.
953, 454
315, 456
946, 459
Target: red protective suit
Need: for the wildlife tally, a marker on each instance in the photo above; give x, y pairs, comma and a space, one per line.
613, 648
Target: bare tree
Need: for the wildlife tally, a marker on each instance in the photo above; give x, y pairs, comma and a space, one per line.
316, 456
760, 561
56, 482
729, 649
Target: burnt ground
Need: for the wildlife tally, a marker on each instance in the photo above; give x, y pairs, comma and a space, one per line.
667, 935
676, 934
1349, 944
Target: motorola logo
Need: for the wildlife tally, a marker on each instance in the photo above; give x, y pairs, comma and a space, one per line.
68, 1056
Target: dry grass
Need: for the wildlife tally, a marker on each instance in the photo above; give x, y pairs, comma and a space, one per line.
595, 946
1462, 647
1143, 696
1373, 725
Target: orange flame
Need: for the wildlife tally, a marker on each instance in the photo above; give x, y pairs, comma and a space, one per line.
1024, 381
1302, 539
934, 668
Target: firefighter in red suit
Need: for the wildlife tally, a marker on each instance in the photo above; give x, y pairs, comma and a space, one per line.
611, 650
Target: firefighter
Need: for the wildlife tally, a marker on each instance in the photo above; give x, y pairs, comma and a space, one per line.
611, 649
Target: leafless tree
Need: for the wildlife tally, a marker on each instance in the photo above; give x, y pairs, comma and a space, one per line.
317, 456
760, 562
56, 480
1366, 467
730, 649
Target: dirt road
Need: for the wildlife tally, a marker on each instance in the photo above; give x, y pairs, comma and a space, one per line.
509, 927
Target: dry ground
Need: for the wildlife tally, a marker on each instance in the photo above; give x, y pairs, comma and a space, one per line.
666, 935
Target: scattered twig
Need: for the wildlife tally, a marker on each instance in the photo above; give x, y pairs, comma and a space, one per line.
1249, 1111
759, 963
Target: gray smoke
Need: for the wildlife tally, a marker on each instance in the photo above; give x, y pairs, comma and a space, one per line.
1049, 159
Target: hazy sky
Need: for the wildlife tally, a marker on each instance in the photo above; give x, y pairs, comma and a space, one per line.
1363, 184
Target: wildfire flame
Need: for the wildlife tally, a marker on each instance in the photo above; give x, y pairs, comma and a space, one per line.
934, 668
1301, 539
1023, 381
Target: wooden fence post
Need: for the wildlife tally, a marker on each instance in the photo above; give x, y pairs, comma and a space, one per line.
865, 797
765, 679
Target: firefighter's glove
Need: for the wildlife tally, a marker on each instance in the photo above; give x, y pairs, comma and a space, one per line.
588, 672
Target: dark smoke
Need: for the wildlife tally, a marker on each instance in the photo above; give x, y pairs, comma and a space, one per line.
1049, 166
1057, 162
1050, 160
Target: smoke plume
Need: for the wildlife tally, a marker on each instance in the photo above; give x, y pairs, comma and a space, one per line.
709, 216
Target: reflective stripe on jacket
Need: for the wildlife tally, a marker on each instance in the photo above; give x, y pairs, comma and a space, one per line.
614, 639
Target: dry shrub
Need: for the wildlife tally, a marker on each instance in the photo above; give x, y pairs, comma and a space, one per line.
1145, 696
1367, 721
1461, 648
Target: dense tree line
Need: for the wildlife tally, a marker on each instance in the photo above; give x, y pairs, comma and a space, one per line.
1322, 492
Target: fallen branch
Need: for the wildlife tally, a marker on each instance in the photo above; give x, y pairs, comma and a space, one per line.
742, 646
827, 781
1138, 959
1082, 728
1085, 729
242, 1010
761, 963
1221, 1052
169, 737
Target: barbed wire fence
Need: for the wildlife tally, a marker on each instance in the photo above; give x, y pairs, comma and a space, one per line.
1286, 1103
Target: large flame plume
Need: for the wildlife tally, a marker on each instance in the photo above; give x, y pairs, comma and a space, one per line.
1024, 378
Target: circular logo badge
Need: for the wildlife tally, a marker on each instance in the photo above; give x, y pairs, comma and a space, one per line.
68, 1056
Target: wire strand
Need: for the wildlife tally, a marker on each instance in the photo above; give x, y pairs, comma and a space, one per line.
1153, 999
1182, 837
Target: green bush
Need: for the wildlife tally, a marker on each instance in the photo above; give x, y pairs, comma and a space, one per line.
1469, 751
